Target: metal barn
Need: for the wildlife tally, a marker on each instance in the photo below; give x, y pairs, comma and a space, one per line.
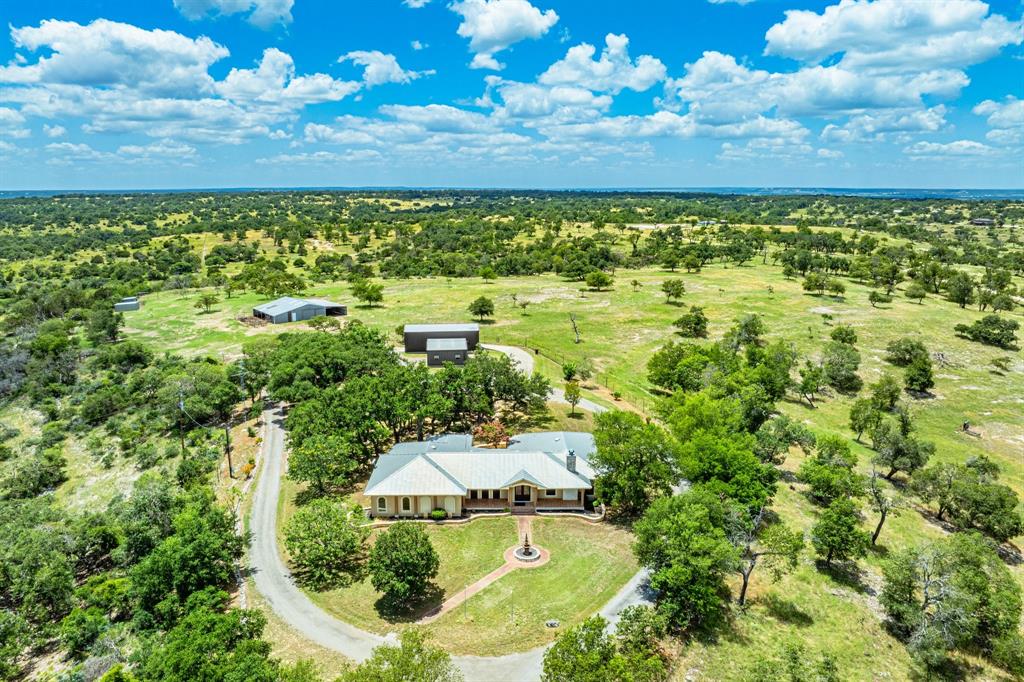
416, 335
288, 309
440, 351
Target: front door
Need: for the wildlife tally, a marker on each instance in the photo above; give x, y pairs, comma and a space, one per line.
522, 493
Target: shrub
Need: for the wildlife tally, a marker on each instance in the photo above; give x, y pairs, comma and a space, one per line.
991, 330
439, 515
902, 352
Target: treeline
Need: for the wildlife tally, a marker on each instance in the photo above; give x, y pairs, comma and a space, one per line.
352, 397
700, 487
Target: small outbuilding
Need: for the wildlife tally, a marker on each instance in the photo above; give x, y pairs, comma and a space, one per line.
440, 351
417, 335
126, 304
288, 309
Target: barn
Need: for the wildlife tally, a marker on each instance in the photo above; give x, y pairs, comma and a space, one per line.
440, 351
417, 335
126, 304
288, 309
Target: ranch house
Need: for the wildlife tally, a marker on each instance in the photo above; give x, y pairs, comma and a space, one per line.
537, 472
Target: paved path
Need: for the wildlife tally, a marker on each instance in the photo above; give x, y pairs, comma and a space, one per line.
274, 582
524, 527
524, 359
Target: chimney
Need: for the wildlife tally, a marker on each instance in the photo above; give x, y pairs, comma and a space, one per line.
570, 461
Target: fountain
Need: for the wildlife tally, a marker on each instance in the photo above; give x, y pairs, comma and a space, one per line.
526, 552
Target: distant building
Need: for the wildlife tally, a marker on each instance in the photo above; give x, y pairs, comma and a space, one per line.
417, 335
538, 471
126, 304
288, 309
440, 351
983, 222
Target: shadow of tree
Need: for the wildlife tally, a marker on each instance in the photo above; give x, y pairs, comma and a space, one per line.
787, 612
410, 611
847, 574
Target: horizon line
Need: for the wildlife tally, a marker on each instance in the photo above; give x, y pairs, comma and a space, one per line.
502, 188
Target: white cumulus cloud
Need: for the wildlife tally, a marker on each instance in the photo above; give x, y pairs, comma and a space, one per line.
1005, 119
274, 81
109, 53
380, 68
957, 148
494, 25
612, 72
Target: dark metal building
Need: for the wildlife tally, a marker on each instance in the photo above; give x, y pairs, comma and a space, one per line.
440, 351
416, 335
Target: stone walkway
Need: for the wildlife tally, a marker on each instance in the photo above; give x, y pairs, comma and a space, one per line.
525, 527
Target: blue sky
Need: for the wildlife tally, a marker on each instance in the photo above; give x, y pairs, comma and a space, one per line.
511, 93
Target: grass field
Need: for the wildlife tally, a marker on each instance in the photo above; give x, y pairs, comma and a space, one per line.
622, 327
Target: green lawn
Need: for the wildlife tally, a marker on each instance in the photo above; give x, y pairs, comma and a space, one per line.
467, 551
589, 564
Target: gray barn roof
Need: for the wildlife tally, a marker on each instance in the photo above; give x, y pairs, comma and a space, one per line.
461, 327
446, 344
287, 304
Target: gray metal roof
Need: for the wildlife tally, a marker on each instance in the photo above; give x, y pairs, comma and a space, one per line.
449, 442
581, 443
286, 304
453, 473
446, 344
460, 327
450, 465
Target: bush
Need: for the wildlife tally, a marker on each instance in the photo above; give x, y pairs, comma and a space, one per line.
844, 333
991, 330
439, 515
80, 628
902, 352
693, 324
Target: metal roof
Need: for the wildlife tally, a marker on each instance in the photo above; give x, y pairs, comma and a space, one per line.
446, 344
286, 304
460, 327
581, 443
449, 442
449, 465
453, 473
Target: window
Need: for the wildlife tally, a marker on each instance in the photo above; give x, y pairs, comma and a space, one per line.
496, 494
550, 493
406, 504
382, 504
484, 494
472, 494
